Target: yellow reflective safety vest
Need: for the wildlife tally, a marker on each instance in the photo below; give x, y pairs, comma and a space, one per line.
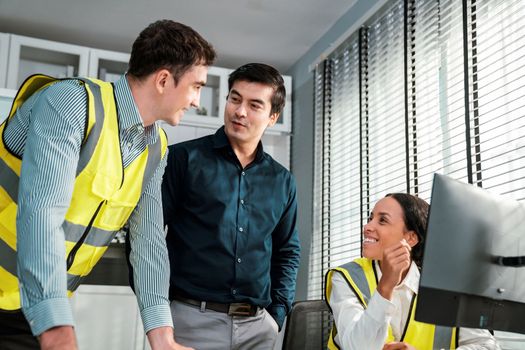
362, 279
104, 194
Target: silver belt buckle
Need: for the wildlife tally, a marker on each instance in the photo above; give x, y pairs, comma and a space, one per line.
240, 309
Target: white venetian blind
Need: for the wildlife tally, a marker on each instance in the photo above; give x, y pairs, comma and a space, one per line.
317, 262
436, 98
436, 87
344, 230
383, 122
497, 108
337, 183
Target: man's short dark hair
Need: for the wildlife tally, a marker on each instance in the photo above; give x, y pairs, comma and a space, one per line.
264, 74
166, 44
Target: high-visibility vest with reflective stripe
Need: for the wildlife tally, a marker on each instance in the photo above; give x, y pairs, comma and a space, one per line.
362, 279
104, 194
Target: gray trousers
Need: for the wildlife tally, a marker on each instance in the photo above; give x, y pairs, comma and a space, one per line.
211, 330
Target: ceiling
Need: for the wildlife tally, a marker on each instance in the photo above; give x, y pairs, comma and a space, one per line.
277, 32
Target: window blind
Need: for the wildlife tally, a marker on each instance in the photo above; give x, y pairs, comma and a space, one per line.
496, 32
425, 86
337, 173
436, 98
344, 178
317, 248
383, 148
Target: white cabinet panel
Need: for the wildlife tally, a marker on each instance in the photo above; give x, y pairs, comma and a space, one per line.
510, 341
200, 132
107, 65
6, 99
107, 317
278, 146
4, 54
181, 133
212, 102
178, 133
22, 56
28, 56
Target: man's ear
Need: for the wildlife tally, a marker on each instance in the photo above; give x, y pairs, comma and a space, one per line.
412, 238
273, 119
162, 79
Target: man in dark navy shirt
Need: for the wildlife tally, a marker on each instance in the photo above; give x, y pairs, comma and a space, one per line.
231, 214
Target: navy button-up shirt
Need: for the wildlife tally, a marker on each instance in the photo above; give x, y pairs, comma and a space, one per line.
231, 231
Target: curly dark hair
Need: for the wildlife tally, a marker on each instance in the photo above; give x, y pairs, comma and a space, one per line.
415, 212
170, 45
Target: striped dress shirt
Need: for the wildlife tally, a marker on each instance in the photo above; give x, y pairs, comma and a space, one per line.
47, 131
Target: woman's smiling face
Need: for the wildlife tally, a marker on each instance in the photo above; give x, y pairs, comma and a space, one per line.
385, 227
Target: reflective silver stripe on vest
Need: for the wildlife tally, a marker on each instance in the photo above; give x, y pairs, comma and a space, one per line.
9, 264
97, 237
73, 281
9, 180
8, 257
358, 276
154, 156
91, 143
442, 337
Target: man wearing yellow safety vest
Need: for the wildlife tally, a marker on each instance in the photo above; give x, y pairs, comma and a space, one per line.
80, 158
372, 298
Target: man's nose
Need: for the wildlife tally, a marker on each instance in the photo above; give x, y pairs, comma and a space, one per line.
195, 102
241, 110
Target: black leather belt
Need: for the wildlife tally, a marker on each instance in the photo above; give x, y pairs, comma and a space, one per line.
233, 309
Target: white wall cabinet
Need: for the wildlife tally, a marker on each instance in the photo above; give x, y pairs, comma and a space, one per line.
6, 99
28, 56
277, 145
107, 65
4, 54
212, 102
22, 56
107, 317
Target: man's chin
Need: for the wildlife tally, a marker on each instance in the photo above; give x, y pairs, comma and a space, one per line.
175, 120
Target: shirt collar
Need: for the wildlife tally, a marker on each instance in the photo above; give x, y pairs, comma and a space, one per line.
128, 113
411, 280
220, 140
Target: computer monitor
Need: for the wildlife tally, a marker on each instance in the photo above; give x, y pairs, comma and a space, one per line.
472, 235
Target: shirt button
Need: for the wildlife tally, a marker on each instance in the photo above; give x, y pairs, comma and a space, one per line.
242, 201
239, 260
243, 173
241, 229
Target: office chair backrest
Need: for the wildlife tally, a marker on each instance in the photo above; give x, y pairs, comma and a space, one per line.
308, 326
